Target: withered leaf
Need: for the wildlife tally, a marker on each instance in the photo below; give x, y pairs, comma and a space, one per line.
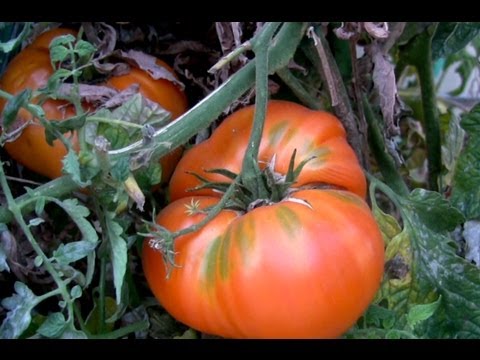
88, 93
385, 84
378, 30
106, 43
148, 63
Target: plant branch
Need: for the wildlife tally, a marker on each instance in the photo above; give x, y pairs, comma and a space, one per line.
15, 210
377, 145
419, 54
321, 57
250, 174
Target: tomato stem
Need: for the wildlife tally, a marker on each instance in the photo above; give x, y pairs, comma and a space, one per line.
319, 53
385, 162
419, 54
17, 214
251, 173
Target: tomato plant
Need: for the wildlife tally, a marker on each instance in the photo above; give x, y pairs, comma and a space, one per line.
306, 266
31, 68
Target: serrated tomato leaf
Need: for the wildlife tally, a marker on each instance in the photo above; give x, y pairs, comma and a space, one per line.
466, 180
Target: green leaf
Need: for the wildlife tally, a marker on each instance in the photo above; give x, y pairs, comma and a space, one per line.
116, 135
389, 226
121, 169
72, 333
19, 316
118, 253
74, 251
150, 176
78, 214
84, 50
451, 37
62, 40
139, 111
18, 101
53, 326
378, 316
54, 81
39, 205
76, 292
434, 211
71, 124
421, 312
11, 44
71, 166
58, 53
438, 270
466, 180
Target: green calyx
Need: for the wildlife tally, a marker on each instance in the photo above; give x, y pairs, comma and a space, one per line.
276, 187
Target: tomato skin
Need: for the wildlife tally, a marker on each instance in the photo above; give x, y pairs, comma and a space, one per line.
279, 271
288, 126
31, 68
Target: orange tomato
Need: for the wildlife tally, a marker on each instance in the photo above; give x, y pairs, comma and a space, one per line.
31, 68
305, 267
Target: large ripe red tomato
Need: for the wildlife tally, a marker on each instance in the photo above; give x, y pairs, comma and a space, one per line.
280, 271
31, 68
288, 126
305, 267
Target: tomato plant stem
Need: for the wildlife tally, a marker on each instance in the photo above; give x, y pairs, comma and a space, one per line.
385, 162
15, 210
114, 121
101, 293
419, 54
250, 175
319, 53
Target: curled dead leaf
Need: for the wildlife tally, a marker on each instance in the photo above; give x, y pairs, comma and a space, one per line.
149, 63
378, 30
88, 93
386, 86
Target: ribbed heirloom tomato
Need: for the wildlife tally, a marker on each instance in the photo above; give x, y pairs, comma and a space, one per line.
31, 68
304, 267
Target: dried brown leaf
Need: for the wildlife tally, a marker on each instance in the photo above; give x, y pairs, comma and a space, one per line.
114, 69
348, 30
386, 86
148, 63
88, 93
121, 97
105, 44
225, 36
378, 30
